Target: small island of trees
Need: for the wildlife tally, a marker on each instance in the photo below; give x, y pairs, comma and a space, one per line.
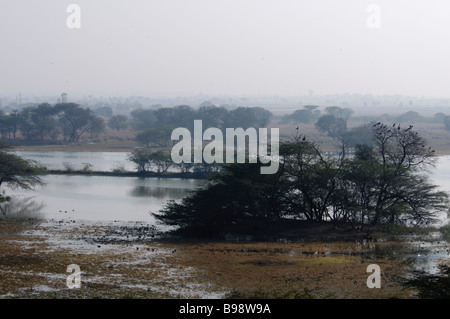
384, 183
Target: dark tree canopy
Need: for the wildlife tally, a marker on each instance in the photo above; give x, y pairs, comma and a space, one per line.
239, 195
17, 172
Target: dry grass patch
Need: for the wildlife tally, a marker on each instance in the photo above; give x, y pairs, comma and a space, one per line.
283, 270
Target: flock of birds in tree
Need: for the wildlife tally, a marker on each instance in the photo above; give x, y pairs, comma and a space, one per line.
393, 125
398, 129
304, 137
380, 125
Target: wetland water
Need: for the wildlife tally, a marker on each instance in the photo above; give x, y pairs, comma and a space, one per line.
101, 198
125, 198
106, 198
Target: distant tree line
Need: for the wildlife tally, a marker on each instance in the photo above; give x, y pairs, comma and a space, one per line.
334, 123
334, 119
382, 183
155, 126
66, 122
147, 160
310, 114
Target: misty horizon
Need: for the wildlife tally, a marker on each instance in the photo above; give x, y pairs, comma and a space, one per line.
225, 48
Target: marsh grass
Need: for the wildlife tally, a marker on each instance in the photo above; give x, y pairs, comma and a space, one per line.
267, 270
296, 270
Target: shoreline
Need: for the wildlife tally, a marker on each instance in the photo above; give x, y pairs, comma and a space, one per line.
186, 175
123, 147
77, 148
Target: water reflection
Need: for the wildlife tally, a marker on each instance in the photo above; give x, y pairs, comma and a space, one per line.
21, 209
107, 197
158, 192
100, 161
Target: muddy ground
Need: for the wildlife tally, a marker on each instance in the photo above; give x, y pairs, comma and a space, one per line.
130, 260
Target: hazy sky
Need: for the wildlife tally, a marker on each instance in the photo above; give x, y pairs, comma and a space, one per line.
226, 47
